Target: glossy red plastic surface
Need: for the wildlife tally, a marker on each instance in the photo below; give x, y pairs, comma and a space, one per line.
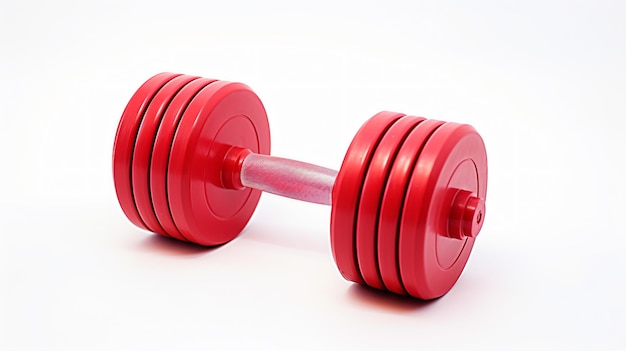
124, 144
371, 199
407, 203
431, 261
393, 201
143, 150
221, 115
161, 154
347, 192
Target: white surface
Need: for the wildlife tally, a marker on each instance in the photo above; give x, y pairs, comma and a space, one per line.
543, 82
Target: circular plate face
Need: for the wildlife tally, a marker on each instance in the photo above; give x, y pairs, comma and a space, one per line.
393, 201
222, 115
125, 144
371, 198
347, 190
161, 153
453, 158
143, 150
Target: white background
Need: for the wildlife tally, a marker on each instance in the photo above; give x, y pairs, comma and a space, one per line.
543, 82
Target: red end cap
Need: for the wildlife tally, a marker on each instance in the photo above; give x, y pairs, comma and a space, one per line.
467, 215
473, 216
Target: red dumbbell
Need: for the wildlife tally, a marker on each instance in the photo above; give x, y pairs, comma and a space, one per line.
191, 157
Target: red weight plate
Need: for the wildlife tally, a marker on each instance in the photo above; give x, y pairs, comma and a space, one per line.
222, 115
454, 158
371, 199
125, 143
392, 203
161, 154
347, 191
143, 150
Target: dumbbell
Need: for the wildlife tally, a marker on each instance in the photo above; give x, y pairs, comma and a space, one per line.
191, 158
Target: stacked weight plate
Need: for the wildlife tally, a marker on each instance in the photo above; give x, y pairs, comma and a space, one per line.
392, 203
168, 150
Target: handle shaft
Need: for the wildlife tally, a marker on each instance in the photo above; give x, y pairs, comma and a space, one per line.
289, 178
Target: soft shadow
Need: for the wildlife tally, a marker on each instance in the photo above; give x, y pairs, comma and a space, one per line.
283, 238
173, 247
387, 301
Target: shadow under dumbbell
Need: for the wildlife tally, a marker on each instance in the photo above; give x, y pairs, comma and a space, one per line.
173, 247
386, 300
298, 239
